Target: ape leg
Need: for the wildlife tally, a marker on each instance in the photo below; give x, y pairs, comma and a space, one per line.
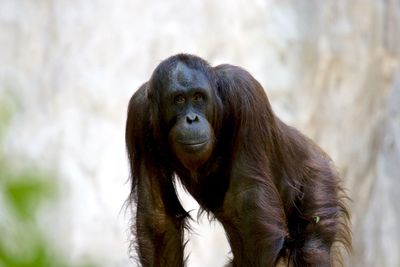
319, 220
255, 225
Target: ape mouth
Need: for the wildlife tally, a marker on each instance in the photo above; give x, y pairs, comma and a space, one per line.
194, 145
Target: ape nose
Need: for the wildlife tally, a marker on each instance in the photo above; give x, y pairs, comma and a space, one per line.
190, 118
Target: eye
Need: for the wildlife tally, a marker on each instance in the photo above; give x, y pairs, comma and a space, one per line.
198, 97
179, 99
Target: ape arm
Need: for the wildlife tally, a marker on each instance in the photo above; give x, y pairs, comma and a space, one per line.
253, 213
160, 218
254, 221
159, 235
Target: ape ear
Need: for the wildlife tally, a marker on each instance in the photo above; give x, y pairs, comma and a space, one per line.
137, 133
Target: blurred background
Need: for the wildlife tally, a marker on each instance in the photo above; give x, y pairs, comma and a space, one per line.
68, 68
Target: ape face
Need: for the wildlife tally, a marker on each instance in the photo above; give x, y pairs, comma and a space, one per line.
186, 107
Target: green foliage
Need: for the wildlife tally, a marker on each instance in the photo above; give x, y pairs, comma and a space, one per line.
22, 243
25, 193
22, 193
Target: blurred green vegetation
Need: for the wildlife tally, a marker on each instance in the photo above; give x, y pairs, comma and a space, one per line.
22, 244
22, 192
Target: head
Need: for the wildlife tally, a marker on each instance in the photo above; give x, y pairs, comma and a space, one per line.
186, 106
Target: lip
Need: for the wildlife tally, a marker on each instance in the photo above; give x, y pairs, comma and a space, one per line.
194, 144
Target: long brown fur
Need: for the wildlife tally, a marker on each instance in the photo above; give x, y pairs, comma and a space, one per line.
277, 194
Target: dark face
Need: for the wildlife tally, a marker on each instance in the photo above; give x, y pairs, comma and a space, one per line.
186, 104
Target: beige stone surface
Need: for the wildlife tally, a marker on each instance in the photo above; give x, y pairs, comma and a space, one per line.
330, 68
